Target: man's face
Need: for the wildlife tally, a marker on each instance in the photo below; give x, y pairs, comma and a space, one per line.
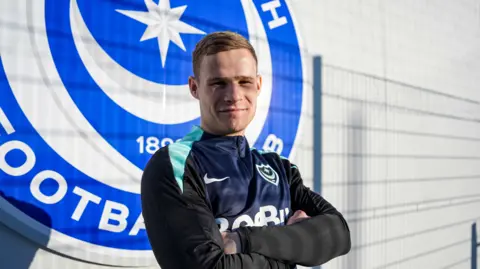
227, 87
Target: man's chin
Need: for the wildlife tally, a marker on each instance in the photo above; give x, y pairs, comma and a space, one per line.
235, 128
233, 125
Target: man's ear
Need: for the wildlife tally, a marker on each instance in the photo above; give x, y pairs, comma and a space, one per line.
259, 84
193, 85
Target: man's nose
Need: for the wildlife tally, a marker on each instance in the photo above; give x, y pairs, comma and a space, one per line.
233, 93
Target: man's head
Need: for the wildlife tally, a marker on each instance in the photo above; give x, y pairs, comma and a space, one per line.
225, 82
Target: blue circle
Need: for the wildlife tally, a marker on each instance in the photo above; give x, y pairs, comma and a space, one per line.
15, 158
117, 126
49, 187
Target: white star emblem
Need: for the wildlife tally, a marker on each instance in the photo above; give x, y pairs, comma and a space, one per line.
163, 23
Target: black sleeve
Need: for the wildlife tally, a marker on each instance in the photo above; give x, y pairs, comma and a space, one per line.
180, 225
311, 242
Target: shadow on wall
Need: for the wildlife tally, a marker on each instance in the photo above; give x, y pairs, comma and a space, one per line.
18, 251
355, 163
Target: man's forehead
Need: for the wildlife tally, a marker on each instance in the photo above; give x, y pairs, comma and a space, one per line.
229, 64
231, 72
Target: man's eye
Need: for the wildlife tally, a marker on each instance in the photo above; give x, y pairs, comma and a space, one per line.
218, 83
245, 82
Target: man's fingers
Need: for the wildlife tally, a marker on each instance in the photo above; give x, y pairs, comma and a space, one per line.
297, 216
300, 214
224, 234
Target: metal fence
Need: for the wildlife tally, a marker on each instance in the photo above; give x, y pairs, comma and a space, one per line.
475, 245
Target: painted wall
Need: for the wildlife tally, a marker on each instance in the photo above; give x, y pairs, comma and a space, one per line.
401, 110
400, 121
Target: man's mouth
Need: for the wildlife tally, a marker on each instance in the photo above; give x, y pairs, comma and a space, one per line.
232, 109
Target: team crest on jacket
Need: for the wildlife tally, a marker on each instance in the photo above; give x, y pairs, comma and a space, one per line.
89, 90
268, 173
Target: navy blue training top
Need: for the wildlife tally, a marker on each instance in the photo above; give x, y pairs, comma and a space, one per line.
204, 184
243, 186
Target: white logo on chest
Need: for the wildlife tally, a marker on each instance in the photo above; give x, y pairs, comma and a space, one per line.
268, 173
266, 215
209, 180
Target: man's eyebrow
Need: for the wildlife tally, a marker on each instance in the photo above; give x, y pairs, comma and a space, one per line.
244, 78
226, 78
216, 78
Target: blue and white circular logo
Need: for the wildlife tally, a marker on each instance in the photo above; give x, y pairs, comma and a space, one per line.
88, 92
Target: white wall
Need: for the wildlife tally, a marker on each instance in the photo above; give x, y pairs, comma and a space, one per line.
401, 125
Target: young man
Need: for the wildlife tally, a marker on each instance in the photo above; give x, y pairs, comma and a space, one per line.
211, 201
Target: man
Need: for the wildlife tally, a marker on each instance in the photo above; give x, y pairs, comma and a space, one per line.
211, 201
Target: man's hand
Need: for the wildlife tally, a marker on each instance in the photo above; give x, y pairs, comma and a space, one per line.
299, 215
231, 242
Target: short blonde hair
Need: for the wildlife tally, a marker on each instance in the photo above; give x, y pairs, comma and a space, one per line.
216, 42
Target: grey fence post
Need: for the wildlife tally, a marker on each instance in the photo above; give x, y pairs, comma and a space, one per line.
317, 126
317, 123
475, 245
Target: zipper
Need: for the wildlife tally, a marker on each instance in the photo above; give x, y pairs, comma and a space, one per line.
238, 147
